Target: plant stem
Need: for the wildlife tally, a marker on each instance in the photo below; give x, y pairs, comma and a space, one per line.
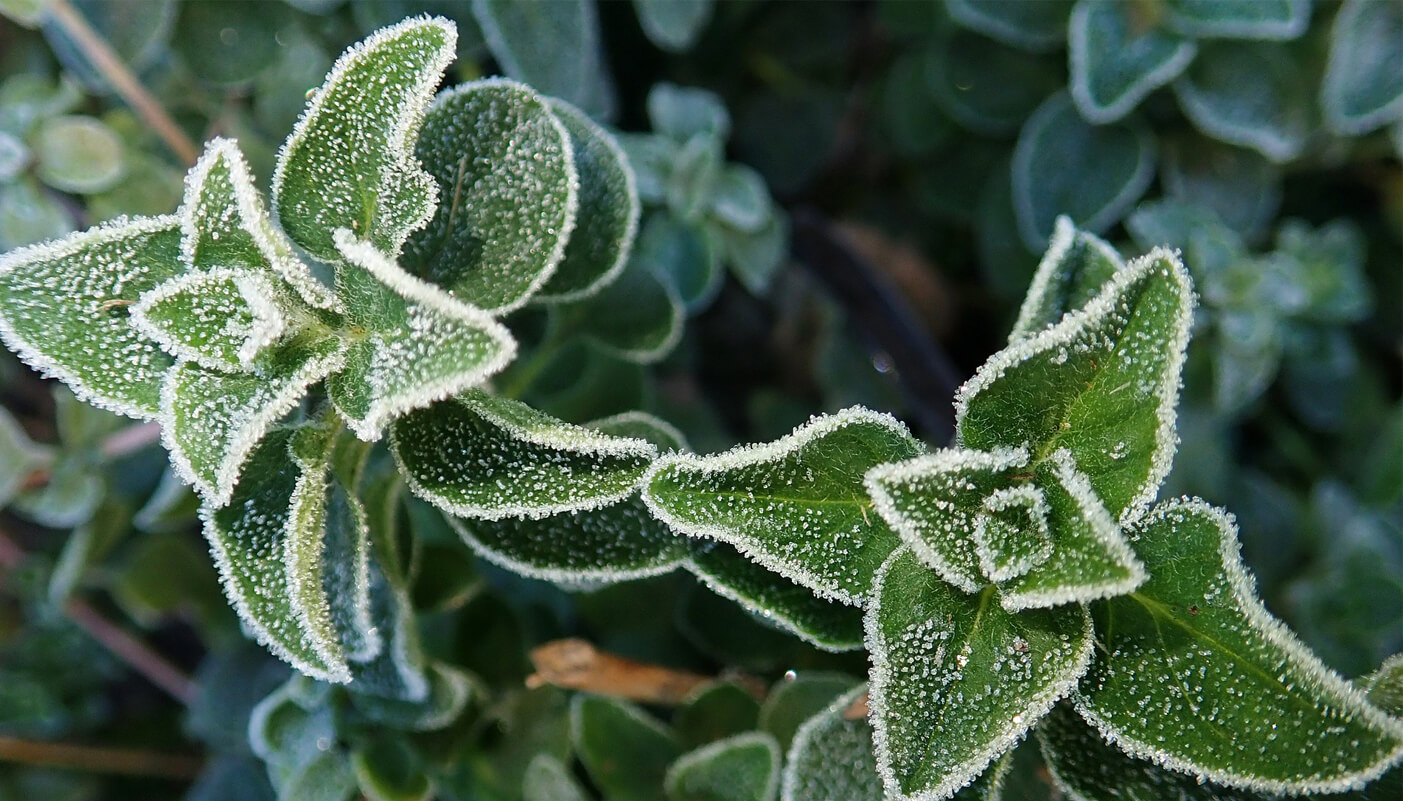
100, 759
107, 62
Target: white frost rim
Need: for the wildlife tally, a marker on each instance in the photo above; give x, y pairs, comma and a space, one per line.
804, 738
1079, 57
767, 741
1065, 235
258, 294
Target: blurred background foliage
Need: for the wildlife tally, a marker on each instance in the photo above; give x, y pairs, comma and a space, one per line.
849, 199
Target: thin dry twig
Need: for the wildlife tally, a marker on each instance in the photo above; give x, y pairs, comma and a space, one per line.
99, 759
577, 665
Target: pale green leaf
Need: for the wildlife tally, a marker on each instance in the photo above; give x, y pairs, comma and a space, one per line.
78, 154
418, 345
67, 499
266, 544
395, 682
212, 421
775, 599
349, 162
673, 25
85, 548
31, 213
740, 768
831, 757
220, 319
554, 47
1239, 700
1065, 165
1033, 26
638, 317
682, 255
63, 309
1077, 264
741, 199
799, 696
28, 13
1249, 94
691, 183
625, 750
447, 692
508, 194
754, 258
1116, 61
600, 244
18, 456
1243, 187
682, 112
1239, 19
797, 505
1103, 383
488, 457
326, 776
1363, 87
956, 679
547, 779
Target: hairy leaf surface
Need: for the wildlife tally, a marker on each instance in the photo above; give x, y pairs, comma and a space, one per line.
1116, 61
219, 319
740, 768
637, 317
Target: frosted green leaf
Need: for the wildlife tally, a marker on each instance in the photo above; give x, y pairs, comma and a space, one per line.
18, 456
1197, 676
1077, 264
447, 693
77, 154
395, 682
608, 211
1064, 165
831, 757
554, 47
740, 768
267, 545
346, 575
1240, 185
224, 226
984, 86
547, 779
1239, 19
349, 162
638, 317
488, 457
508, 194
1363, 87
640, 425
1116, 62
797, 697
1086, 768
797, 505
1249, 94
673, 25
1385, 686
682, 112
212, 421
741, 199
1102, 383
625, 750
386, 769
1033, 26
775, 599
63, 309
956, 679
934, 503
415, 344
1011, 534
220, 319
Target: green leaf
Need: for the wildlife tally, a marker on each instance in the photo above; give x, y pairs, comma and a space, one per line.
607, 220
508, 194
219, 320
267, 544
70, 497
78, 154
831, 758
1077, 264
1227, 666
1116, 61
1361, 90
28, 13
625, 750
715, 710
1251, 95
741, 199
349, 162
18, 457
756, 257
211, 422
740, 768
673, 25
555, 48
1239, 19
1103, 383
489, 457
1039, 26
1240, 185
86, 547
325, 777
387, 770
346, 575
63, 310
1064, 165
776, 599
956, 679
641, 425
682, 112
223, 44
795, 506
1085, 766
30, 213
14, 157
799, 696
638, 317
547, 779
1385, 686
985, 86
419, 345
138, 32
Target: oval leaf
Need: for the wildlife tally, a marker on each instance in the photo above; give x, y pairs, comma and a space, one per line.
1250, 95
1363, 87
1116, 62
219, 319
1037, 26
740, 768
1239, 19
638, 317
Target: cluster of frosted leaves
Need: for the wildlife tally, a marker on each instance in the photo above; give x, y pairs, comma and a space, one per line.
1198, 677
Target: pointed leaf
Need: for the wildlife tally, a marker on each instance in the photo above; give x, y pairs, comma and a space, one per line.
554, 48
349, 162
795, 506
1239, 19
267, 546
1102, 383
831, 757
1225, 666
419, 344
607, 220
1033, 26
1385, 686
63, 309
740, 768
637, 317
346, 577
508, 194
1251, 95
1363, 88
1116, 61
957, 680
220, 319
212, 421
625, 750
225, 227
489, 457
775, 599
